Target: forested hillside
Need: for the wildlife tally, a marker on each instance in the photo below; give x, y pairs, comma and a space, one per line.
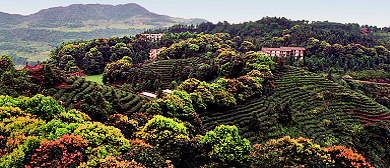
228, 105
276, 32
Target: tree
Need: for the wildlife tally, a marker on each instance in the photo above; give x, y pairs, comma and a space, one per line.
99, 135
66, 151
226, 147
93, 61
222, 97
17, 83
66, 62
5, 63
120, 71
73, 116
288, 152
127, 126
345, 158
189, 85
177, 104
246, 46
145, 154
44, 107
166, 134
50, 76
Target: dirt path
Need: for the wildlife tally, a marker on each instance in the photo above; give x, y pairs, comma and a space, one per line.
387, 84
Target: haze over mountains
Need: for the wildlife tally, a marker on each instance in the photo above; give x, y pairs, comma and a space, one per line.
74, 16
30, 36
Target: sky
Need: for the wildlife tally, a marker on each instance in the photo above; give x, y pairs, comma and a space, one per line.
363, 12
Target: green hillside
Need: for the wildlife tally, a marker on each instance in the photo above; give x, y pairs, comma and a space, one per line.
79, 93
229, 105
303, 104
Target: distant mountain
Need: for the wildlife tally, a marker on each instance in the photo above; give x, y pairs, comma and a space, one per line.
79, 13
7, 20
76, 15
32, 35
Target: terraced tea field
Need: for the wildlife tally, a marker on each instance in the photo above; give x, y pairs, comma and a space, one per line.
127, 101
169, 70
320, 109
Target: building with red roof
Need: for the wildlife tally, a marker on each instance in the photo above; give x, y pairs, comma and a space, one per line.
34, 67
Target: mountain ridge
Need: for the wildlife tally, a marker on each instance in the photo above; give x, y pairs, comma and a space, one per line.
79, 13
49, 27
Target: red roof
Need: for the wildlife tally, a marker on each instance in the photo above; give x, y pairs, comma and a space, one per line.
37, 66
282, 49
27, 66
34, 67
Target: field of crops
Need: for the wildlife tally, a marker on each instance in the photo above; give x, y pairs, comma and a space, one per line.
169, 70
75, 92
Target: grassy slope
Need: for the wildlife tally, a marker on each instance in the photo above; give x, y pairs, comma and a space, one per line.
95, 78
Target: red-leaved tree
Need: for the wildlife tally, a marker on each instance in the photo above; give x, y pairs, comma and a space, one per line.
66, 151
345, 157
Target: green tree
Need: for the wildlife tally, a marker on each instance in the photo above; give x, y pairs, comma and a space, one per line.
226, 147
6, 64
166, 134
43, 107
93, 62
127, 126
118, 71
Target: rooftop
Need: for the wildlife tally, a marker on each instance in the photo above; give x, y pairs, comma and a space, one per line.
282, 49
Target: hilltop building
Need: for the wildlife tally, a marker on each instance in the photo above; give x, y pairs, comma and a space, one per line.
153, 37
283, 51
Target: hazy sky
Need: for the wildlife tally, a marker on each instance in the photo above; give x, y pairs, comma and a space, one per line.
371, 12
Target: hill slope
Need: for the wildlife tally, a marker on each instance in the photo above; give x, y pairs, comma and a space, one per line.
32, 36
304, 104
